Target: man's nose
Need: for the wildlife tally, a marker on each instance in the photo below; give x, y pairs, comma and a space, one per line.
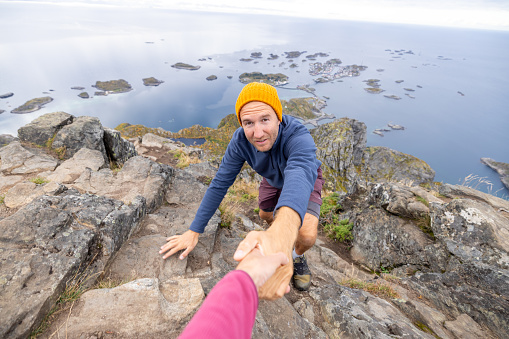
258, 131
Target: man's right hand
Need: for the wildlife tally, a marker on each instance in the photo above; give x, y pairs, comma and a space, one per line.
187, 241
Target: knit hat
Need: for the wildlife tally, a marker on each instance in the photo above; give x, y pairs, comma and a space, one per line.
258, 91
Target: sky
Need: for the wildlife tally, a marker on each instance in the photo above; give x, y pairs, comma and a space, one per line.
478, 14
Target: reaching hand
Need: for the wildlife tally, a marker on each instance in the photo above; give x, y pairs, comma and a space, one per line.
259, 267
269, 243
187, 241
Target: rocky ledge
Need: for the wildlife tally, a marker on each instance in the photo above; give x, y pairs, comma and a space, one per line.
441, 251
500, 167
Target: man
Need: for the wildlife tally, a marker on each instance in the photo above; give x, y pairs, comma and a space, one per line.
282, 151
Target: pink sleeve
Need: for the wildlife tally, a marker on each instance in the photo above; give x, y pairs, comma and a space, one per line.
229, 310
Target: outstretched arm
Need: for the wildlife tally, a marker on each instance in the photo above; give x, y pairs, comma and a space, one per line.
280, 237
229, 310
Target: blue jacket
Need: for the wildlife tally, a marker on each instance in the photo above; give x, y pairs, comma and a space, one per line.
291, 164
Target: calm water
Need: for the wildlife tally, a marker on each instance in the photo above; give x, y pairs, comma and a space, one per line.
50, 47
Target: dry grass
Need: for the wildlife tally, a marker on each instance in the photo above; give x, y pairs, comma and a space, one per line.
380, 287
184, 160
241, 192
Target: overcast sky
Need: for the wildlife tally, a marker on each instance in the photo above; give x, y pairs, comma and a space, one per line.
484, 14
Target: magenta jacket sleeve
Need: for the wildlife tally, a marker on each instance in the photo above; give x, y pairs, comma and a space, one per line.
229, 311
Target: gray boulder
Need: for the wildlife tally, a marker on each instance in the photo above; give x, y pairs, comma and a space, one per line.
48, 242
119, 149
144, 308
384, 164
42, 130
83, 132
17, 159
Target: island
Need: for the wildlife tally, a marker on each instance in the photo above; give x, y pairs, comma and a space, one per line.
396, 127
84, 95
256, 55
332, 70
78, 88
373, 90
32, 105
152, 81
392, 96
294, 54
113, 86
181, 65
211, 77
314, 56
277, 79
273, 57
6, 95
1, 111
246, 59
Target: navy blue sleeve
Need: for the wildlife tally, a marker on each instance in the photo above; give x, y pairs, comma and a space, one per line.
300, 172
231, 165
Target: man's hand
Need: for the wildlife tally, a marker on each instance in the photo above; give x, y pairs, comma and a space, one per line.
259, 267
187, 241
280, 237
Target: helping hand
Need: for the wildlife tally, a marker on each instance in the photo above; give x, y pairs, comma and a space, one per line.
187, 241
259, 267
268, 243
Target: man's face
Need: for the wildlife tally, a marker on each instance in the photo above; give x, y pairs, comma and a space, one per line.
260, 124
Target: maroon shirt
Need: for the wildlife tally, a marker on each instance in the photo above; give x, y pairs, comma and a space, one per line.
229, 310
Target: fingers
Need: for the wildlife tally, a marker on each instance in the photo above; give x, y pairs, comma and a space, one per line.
185, 253
251, 241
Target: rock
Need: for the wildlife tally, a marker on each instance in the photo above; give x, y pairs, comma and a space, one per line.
340, 146
84, 95
465, 327
18, 160
141, 308
349, 313
458, 191
83, 132
283, 321
7, 181
384, 164
119, 150
6, 139
71, 169
46, 242
42, 130
139, 177
24, 192
501, 168
211, 77
473, 232
6, 95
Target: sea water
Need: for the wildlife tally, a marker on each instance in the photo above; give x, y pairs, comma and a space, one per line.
458, 113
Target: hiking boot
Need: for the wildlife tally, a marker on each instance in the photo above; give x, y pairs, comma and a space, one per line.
301, 274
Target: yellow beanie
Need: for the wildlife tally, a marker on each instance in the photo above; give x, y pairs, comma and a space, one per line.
258, 91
